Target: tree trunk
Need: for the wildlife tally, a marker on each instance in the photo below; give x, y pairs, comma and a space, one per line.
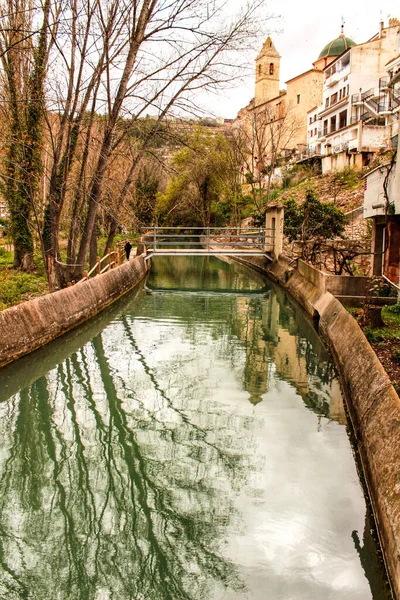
111, 235
93, 245
373, 316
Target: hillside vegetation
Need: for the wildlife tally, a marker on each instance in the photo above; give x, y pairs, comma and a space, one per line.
344, 188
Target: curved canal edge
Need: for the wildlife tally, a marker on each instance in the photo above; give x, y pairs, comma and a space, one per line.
372, 402
27, 326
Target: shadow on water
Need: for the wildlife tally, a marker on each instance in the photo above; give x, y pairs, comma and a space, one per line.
138, 449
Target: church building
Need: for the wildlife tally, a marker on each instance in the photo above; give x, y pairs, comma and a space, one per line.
291, 106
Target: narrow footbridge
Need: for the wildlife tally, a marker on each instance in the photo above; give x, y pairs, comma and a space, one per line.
208, 241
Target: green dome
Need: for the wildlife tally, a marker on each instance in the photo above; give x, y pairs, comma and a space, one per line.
336, 47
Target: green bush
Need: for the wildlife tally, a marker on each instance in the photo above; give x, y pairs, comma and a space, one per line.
373, 335
394, 308
17, 286
347, 178
396, 356
312, 219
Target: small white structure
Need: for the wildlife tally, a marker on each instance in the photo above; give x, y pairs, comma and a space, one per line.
274, 229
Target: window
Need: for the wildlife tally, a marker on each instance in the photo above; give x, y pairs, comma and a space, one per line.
271, 68
259, 69
315, 117
326, 102
343, 119
310, 120
315, 131
333, 123
298, 98
325, 127
334, 98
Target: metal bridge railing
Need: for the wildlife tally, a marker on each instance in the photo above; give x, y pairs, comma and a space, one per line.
213, 239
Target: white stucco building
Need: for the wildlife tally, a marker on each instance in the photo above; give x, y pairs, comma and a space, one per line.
382, 189
355, 118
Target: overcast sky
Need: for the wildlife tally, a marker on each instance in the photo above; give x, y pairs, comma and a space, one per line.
299, 35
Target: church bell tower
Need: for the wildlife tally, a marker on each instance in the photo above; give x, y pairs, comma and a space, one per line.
267, 73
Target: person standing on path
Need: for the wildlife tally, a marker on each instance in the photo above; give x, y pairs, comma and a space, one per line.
127, 248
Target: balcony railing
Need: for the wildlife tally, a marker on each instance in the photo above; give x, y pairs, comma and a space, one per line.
384, 107
341, 125
342, 147
309, 152
383, 82
368, 94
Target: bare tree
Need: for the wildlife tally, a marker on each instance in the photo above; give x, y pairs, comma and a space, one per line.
262, 137
151, 56
102, 66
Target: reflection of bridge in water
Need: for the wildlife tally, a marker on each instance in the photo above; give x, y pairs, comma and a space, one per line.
207, 241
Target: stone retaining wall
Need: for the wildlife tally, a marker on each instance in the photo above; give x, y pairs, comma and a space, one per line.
373, 404
338, 285
29, 325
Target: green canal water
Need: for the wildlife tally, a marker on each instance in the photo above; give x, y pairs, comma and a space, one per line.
190, 443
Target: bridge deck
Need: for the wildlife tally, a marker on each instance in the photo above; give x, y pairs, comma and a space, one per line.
210, 241
205, 252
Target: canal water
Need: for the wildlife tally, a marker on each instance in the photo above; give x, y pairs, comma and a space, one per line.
189, 443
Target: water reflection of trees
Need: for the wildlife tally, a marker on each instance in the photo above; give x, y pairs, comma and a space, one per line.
100, 491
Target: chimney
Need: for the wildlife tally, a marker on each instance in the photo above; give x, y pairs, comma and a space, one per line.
381, 26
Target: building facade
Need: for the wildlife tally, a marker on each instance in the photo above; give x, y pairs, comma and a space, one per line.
355, 116
382, 188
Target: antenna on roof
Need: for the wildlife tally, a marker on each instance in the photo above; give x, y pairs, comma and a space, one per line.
342, 26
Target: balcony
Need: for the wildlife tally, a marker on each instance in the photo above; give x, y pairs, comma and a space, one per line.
329, 104
337, 75
309, 152
342, 147
383, 82
334, 128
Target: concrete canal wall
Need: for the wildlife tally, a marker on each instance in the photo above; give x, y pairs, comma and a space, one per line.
27, 326
372, 402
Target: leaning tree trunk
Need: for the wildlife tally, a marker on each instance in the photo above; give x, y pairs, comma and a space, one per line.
111, 235
93, 246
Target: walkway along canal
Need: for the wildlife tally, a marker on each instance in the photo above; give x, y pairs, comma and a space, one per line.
190, 443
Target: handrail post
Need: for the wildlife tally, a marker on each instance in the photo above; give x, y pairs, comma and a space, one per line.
98, 268
154, 239
208, 239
